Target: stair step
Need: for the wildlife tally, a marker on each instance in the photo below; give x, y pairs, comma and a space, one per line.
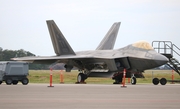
174, 59
167, 55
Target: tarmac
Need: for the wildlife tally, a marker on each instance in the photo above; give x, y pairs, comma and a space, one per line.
89, 96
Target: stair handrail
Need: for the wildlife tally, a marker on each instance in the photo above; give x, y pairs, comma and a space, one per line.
159, 46
176, 48
171, 49
170, 46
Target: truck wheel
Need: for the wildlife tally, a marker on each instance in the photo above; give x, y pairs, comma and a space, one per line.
155, 81
163, 81
15, 82
0, 82
8, 81
25, 81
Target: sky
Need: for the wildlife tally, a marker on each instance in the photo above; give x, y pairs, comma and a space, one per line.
84, 23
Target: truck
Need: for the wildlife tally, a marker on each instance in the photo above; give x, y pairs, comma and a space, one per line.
12, 72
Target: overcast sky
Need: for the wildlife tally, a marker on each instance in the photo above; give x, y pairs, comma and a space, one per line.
84, 23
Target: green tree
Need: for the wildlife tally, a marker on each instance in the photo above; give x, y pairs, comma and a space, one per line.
6, 55
1, 53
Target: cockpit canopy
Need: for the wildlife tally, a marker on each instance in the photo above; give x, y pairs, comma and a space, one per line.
143, 45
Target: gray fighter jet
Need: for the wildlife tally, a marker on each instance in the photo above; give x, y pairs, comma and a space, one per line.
104, 61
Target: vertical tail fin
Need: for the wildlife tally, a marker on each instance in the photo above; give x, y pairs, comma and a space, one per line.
60, 44
109, 40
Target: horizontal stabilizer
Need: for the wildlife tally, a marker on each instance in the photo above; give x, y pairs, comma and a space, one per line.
60, 44
109, 40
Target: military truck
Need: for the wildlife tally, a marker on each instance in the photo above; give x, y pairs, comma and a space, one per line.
13, 72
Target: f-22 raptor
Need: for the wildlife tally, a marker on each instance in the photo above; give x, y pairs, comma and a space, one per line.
104, 61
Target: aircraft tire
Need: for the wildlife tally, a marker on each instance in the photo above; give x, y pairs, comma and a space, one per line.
25, 81
133, 80
115, 83
163, 81
0, 82
8, 81
118, 81
81, 77
155, 81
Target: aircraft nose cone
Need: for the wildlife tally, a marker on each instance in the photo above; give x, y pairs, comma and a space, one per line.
161, 59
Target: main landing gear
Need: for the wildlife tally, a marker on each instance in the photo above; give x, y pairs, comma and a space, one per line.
118, 77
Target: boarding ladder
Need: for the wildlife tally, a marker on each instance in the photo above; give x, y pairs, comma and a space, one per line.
168, 49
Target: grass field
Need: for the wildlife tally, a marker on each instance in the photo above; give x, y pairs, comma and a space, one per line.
42, 76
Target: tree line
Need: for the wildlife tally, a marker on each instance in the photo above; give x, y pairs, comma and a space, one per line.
6, 55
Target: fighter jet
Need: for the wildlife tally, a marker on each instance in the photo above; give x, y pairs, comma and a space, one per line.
104, 61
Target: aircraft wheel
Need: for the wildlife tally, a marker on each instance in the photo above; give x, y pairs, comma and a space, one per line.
133, 80
155, 81
0, 82
25, 81
163, 81
117, 81
8, 81
81, 77
15, 82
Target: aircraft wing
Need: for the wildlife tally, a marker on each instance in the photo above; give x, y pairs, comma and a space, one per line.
50, 59
79, 61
